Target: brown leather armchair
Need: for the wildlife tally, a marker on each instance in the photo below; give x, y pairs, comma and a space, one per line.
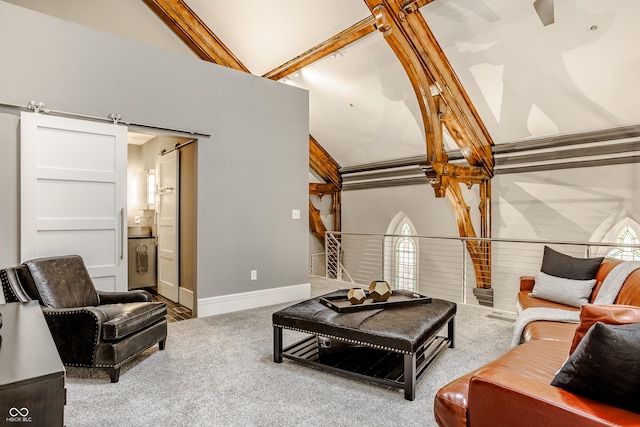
90, 328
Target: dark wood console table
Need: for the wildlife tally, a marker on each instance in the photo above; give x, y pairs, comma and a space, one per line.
32, 388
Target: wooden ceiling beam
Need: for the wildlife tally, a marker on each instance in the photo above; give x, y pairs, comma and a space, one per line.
321, 190
329, 46
315, 222
324, 49
190, 28
323, 164
440, 94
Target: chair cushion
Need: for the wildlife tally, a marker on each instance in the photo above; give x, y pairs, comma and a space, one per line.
548, 330
125, 319
59, 282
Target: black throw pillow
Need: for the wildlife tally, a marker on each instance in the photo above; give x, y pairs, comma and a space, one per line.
558, 264
605, 366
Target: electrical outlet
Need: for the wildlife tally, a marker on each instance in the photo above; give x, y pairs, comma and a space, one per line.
254, 274
295, 214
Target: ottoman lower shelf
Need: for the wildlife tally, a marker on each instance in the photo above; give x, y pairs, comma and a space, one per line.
381, 366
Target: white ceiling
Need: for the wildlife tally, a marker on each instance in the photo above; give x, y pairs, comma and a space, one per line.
525, 80
265, 34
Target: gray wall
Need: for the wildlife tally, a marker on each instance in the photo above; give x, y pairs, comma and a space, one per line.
133, 20
371, 210
251, 172
570, 204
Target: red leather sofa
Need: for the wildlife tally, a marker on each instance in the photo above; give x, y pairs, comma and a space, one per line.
516, 390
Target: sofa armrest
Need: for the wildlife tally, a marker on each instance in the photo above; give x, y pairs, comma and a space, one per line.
527, 282
76, 333
123, 297
500, 398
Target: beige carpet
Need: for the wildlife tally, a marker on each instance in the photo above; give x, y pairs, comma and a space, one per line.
218, 371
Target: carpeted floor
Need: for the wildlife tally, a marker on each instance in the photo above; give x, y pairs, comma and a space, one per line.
219, 371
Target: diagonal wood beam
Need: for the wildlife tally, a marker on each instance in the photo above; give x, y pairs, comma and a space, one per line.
323, 164
324, 49
440, 93
315, 222
328, 47
329, 170
190, 28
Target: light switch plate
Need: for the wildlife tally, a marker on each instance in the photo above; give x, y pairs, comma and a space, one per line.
295, 214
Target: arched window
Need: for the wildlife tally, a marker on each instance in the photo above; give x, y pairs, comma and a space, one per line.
625, 231
401, 254
630, 237
405, 260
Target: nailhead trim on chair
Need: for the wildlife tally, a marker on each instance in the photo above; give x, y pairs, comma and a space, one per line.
93, 357
350, 341
6, 286
95, 342
128, 358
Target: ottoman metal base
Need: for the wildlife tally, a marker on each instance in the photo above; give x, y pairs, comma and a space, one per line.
380, 366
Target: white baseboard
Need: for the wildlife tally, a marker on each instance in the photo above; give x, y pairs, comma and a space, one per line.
186, 297
246, 300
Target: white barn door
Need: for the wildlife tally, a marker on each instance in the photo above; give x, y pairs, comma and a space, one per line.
73, 194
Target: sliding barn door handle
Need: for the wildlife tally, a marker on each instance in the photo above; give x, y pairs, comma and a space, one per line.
122, 233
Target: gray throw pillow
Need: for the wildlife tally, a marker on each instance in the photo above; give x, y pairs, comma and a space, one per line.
564, 291
605, 366
558, 264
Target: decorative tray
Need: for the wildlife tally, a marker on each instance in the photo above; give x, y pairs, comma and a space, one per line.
399, 297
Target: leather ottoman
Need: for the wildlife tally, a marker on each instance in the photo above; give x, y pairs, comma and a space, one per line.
404, 336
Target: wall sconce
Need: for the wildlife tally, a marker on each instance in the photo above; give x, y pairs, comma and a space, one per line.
151, 188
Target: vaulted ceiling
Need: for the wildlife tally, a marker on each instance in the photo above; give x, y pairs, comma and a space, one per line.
526, 80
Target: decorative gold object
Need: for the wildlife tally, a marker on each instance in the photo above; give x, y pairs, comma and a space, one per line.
356, 296
379, 290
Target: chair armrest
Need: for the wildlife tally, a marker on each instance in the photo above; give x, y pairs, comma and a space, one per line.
501, 398
123, 297
76, 333
11, 287
527, 282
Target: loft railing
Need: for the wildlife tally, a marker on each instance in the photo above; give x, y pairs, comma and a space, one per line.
443, 267
334, 268
317, 265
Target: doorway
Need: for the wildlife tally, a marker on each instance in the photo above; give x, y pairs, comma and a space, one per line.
157, 197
